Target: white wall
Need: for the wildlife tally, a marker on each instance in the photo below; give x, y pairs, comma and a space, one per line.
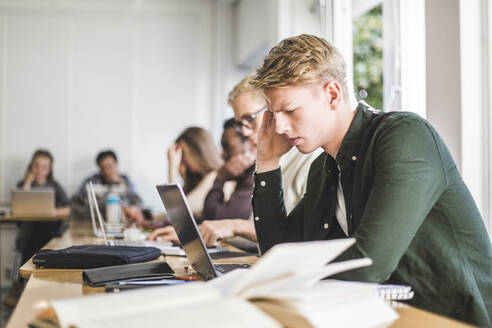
261, 24
456, 88
473, 101
443, 72
80, 76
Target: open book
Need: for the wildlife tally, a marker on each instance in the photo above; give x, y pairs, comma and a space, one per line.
283, 288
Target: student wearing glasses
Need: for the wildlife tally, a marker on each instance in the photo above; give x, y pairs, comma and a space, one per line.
385, 179
249, 105
230, 195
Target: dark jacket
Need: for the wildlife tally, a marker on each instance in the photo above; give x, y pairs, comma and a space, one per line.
407, 206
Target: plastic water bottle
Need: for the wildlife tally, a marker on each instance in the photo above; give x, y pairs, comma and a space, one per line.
113, 208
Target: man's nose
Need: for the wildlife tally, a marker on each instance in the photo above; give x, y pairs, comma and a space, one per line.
281, 125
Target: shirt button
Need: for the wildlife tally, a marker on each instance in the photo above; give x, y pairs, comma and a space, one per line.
326, 225
354, 158
257, 218
262, 183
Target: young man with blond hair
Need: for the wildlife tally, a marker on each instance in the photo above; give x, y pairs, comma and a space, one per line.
385, 179
248, 105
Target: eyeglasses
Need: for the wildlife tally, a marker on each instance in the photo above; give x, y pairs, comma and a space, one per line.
248, 120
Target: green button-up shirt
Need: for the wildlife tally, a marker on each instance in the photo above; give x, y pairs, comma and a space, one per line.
406, 205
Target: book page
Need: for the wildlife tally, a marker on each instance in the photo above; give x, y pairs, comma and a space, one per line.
286, 259
330, 303
323, 294
360, 313
226, 282
219, 313
304, 278
87, 310
365, 312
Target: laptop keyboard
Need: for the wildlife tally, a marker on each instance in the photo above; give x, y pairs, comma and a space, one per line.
227, 255
224, 268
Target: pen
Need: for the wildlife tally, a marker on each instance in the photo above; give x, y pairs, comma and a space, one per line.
186, 277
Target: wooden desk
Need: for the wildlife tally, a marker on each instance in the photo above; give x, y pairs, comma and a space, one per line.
10, 218
80, 233
51, 284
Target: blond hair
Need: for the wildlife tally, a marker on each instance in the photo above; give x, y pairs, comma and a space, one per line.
243, 86
299, 60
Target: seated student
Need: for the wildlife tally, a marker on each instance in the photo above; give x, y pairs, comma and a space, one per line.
230, 195
110, 179
195, 159
386, 179
32, 236
248, 105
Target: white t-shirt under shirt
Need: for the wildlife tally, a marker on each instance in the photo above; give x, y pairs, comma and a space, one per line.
295, 168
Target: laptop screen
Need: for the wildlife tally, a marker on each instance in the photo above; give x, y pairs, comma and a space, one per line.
177, 208
35, 202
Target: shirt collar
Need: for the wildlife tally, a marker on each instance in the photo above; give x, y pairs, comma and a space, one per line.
350, 147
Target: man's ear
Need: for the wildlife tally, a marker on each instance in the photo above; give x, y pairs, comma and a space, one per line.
333, 94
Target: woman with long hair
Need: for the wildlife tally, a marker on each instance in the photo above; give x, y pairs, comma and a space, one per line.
33, 235
39, 174
195, 158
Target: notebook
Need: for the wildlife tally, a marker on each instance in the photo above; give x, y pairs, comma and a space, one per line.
395, 292
184, 223
35, 203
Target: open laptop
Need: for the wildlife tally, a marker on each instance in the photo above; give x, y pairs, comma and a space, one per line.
90, 188
166, 248
179, 212
35, 203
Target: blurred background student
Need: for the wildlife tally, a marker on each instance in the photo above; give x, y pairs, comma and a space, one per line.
194, 160
34, 235
107, 180
226, 191
230, 195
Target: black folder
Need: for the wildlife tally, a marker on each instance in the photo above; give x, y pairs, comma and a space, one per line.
102, 276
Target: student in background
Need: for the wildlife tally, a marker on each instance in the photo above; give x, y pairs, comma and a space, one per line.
32, 236
385, 179
194, 160
248, 105
110, 179
230, 195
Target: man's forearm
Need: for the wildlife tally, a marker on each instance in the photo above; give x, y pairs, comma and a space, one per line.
245, 228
